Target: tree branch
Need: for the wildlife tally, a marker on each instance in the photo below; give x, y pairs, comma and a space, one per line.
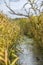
13, 12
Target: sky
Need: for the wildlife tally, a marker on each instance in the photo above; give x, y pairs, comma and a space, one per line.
14, 4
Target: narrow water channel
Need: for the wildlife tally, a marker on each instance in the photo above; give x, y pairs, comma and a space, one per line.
31, 55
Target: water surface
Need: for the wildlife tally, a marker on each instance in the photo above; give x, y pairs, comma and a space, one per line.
31, 54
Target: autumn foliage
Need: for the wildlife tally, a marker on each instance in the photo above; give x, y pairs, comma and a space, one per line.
10, 32
33, 28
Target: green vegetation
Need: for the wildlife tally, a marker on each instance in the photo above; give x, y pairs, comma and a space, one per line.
12, 30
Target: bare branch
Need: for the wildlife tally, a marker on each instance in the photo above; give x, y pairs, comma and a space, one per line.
32, 3
13, 12
25, 4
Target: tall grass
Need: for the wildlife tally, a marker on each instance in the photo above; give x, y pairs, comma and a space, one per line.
33, 28
9, 34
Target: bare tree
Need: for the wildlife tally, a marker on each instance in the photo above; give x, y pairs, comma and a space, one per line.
34, 8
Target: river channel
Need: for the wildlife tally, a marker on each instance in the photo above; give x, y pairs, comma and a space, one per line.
31, 54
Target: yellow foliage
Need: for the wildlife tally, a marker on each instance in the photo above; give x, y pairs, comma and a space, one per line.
9, 31
35, 29
9, 34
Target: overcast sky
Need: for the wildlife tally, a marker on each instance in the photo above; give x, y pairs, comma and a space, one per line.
14, 4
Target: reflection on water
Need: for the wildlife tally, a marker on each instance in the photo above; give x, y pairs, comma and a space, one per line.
30, 55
